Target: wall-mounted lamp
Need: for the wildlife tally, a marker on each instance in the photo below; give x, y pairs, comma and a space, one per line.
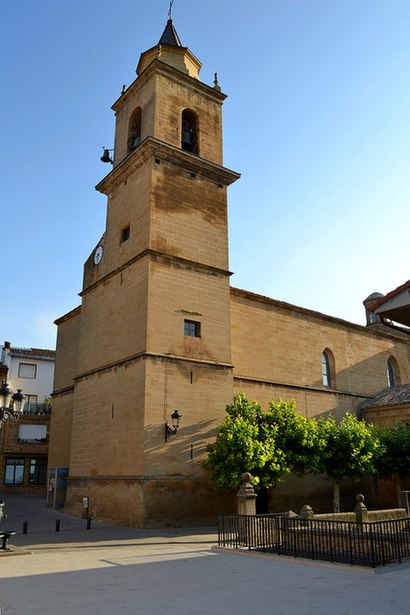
11, 405
171, 431
106, 155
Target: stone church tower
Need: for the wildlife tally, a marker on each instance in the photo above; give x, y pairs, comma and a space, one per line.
152, 334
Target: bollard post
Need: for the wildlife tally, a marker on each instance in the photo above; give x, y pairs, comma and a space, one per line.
88, 523
57, 525
25, 526
362, 515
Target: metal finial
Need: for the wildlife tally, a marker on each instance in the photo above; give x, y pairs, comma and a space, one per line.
170, 9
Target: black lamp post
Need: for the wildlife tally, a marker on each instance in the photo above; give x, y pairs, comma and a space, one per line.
171, 431
10, 411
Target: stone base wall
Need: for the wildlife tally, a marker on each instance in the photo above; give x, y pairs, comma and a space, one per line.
39, 490
138, 502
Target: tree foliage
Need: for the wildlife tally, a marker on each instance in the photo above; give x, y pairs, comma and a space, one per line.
269, 444
394, 460
350, 450
272, 444
296, 435
245, 443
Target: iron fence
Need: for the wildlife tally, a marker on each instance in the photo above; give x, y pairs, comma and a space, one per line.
33, 408
367, 544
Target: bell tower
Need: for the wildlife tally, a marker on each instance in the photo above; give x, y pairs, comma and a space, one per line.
154, 332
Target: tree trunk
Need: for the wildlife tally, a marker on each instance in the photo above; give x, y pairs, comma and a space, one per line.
336, 497
398, 490
262, 502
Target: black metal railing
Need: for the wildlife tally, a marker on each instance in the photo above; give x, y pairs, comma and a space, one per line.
34, 408
366, 544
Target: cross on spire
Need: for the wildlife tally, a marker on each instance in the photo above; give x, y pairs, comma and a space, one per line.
170, 9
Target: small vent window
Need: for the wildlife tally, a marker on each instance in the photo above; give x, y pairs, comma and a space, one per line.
192, 328
125, 234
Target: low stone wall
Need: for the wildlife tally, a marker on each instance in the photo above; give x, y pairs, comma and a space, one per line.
360, 513
389, 513
373, 515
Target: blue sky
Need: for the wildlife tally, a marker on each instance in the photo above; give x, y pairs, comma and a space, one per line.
317, 123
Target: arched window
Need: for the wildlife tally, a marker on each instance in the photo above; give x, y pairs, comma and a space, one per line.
328, 369
393, 373
134, 130
189, 131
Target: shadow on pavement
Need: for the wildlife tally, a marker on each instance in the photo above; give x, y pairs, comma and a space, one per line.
41, 528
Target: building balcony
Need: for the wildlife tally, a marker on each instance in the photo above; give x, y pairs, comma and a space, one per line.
34, 409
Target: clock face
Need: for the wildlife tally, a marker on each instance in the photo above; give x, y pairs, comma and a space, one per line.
98, 254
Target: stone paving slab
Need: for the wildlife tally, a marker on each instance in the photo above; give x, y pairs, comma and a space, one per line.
116, 570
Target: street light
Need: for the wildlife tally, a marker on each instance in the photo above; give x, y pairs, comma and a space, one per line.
10, 411
170, 431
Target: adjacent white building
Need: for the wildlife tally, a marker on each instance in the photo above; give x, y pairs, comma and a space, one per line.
24, 444
32, 371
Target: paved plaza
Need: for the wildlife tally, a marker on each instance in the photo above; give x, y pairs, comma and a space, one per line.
116, 570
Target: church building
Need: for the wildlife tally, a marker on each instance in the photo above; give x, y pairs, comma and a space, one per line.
161, 342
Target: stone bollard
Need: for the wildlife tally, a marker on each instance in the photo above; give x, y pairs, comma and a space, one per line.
307, 512
246, 496
362, 515
247, 508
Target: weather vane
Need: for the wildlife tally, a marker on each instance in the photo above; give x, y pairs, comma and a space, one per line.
170, 9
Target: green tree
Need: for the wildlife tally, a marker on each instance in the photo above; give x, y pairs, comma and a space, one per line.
349, 449
296, 435
245, 442
394, 461
269, 444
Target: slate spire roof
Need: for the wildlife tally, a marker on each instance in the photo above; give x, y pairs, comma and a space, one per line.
170, 36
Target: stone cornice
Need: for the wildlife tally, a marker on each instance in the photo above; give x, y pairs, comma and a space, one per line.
155, 255
64, 391
67, 316
301, 387
154, 148
156, 66
386, 332
141, 356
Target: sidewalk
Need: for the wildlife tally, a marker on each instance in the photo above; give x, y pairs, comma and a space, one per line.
112, 570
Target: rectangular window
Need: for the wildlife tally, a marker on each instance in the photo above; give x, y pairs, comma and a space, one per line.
38, 472
27, 370
31, 403
32, 433
14, 473
192, 328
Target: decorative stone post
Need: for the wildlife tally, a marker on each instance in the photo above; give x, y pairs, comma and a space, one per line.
246, 496
307, 512
362, 515
247, 507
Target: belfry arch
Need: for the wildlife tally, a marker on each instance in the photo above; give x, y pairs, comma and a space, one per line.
134, 130
189, 131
